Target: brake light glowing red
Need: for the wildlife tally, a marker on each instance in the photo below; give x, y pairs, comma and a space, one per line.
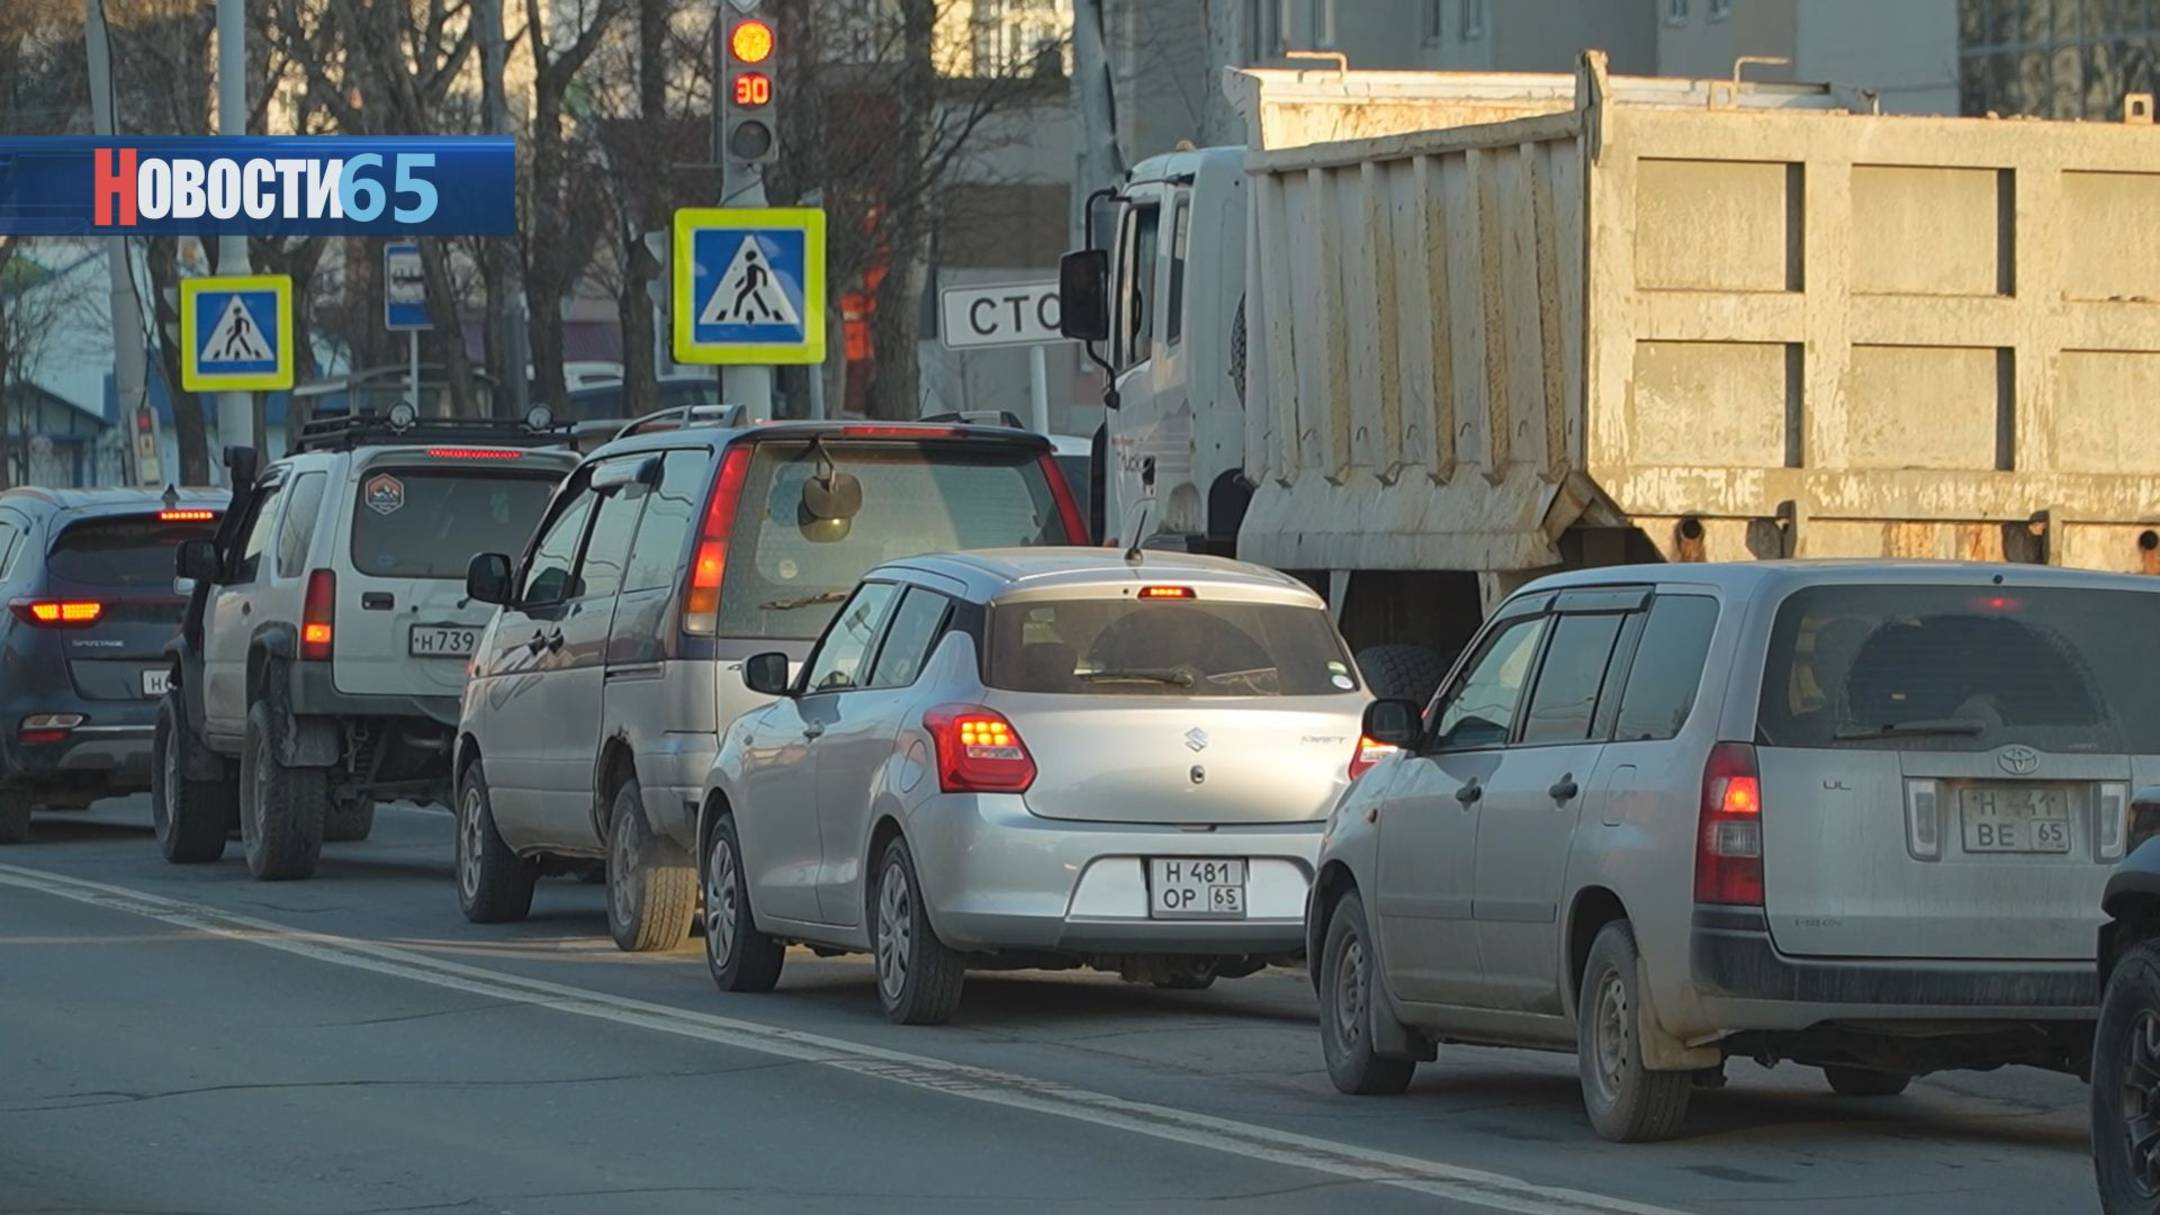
58, 614
1369, 752
708, 565
1068, 507
475, 453
898, 432
1729, 837
318, 616
978, 751
186, 516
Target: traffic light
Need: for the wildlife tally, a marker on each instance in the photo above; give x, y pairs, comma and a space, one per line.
749, 53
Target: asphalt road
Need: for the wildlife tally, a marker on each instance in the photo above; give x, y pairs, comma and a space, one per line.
181, 1039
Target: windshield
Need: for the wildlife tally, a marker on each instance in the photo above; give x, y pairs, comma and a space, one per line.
121, 552
788, 572
1963, 668
1168, 647
428, 522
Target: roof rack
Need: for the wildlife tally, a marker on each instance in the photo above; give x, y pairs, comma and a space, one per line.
360, 430
682, 416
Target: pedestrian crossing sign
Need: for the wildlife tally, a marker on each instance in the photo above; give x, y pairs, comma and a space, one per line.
236, 333
749, 285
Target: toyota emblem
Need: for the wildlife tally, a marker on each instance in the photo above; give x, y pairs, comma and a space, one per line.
2018, 761
1196, 738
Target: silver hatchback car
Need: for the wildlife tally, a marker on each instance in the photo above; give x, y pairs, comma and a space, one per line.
1856, 816
1035, 757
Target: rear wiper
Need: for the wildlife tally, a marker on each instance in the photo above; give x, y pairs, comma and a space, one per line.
1176, 679
789, 605
1914, 728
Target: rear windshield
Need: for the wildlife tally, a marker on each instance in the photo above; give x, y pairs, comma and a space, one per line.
788, 572
1166, 647
428, 522
121, 552
1954, 668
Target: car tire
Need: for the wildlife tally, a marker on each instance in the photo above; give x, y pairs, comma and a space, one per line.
1402, 672
739, 956
494, 884
191, 816
2126, 1083
1861, 1082
281, 807
349, 821
1626, 1101
14, 816
1348, 987
652, 890
918, 977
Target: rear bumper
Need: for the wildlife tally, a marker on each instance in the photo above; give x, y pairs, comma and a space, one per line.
100, 756
997, 877
314, 695
1745, 984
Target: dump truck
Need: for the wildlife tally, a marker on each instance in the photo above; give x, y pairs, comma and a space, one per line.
1429, 335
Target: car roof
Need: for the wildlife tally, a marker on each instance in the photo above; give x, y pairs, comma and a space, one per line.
1752, 578
997, 573
717, 437
117, 500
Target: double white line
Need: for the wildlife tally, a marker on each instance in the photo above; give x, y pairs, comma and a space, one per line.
1493, 1191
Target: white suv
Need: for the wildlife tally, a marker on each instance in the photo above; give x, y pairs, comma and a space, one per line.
326, 643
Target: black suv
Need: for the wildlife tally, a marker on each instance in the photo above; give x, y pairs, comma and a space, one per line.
87, 575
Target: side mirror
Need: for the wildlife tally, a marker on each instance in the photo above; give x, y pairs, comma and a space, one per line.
242, 463
196, 561
487, 578
1084, 295
1398, 723
767, 674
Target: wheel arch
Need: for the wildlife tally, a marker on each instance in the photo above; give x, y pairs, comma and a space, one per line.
1594, 907
614, 766
2133, 916
1334, 880
883, 832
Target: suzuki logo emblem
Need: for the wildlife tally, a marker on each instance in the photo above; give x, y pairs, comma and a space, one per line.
2018, 761
1196, 738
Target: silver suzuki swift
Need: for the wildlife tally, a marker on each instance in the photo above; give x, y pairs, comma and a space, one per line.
1035, 757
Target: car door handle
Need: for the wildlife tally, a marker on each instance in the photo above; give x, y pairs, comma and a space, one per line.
554, 640
538, 642
812, 730
1469, 794
378, 601
246, 608
1564, 789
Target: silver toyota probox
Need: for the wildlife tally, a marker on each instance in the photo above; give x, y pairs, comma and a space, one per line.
1035, 757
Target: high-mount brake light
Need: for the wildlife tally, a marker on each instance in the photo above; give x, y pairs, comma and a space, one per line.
57, 613
186, 516
978, 751
1166, 592
898, 432
708, 565
475, 453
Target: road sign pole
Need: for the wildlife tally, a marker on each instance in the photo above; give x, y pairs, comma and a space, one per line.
1039, 389
235, 410
412, 367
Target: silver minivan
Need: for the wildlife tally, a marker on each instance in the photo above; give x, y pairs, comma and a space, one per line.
1856, 816
600, 690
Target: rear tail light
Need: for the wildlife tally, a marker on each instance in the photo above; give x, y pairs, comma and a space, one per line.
1068, 508
1728, 843
1923, 819
1368, 753
318, 616
58, 614
39, 729
978, 751
2109, 840
708, 565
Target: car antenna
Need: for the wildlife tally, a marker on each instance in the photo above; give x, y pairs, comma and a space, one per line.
1132, 551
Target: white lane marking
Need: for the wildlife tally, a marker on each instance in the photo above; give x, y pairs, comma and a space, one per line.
1493, 1191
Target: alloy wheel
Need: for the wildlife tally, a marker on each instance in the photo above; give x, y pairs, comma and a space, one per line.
895, 924
723, 904
470, 842
161, 806
2140, 1103
622, 874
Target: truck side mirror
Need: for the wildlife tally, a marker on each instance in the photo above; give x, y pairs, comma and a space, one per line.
487, 578
1084, 295
196, 561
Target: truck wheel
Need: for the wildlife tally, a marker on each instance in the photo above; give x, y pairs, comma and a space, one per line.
1627, 1102
1402, 672
1349, 983
2126, 1084
191, 816
349, 821
652, 890
495, 885
1860, 1082
14, 816
281, 808
740, 957
918, 976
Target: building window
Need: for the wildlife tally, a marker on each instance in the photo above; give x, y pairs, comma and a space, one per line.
2070, 59
1323, 23
1720, 9
1473, 20
1676, 12
1432, 21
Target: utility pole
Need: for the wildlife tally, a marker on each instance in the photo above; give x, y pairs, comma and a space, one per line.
507, 285
742, 172
1099, 162
236, 410
127, 327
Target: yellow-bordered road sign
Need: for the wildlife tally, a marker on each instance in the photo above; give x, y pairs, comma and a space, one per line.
749, 285
236, 333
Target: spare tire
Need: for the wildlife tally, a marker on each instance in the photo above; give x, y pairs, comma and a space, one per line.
1402, 672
